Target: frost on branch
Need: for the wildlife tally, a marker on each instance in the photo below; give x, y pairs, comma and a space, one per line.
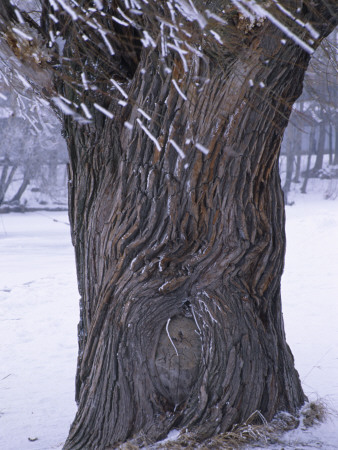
112, 37
27, 44
253, 13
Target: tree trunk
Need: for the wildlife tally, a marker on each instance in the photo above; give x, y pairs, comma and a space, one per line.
3, 180
335, 161
21, 190
180, 260
312, 149
6, 179
298, 145
296, 178
290, 158
331, 150
320, 151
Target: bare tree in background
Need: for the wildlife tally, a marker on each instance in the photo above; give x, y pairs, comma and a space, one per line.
312, 131
174, 113
31, 146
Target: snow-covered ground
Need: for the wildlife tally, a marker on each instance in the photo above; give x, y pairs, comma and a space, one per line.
38, 318
310, 306
39, 314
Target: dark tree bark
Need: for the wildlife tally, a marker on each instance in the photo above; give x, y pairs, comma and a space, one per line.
168, 247
202, 245
179, 261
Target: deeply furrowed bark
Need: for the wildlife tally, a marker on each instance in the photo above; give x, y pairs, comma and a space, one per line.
179, 260
171, 249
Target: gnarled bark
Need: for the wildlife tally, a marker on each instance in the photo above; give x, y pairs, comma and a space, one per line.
197, 242
179, 261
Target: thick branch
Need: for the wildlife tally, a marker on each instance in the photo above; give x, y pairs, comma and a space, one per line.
24, 51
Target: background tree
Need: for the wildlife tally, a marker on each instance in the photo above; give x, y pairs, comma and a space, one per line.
174, 114
31, 147
311, 132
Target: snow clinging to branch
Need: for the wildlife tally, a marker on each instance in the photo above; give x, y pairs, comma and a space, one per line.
257, 11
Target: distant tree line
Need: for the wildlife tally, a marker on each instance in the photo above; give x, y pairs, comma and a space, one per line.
33, 153
310, 145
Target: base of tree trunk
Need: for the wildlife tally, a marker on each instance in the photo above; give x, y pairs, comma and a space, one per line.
255, 431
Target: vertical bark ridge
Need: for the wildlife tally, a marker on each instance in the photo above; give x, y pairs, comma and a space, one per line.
198, 241
179, 260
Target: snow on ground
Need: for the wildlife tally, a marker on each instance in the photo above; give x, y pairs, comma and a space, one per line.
310, 307
39, 314
38, 318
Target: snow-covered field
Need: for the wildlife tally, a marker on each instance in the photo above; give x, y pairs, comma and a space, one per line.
39, 314
38, 318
